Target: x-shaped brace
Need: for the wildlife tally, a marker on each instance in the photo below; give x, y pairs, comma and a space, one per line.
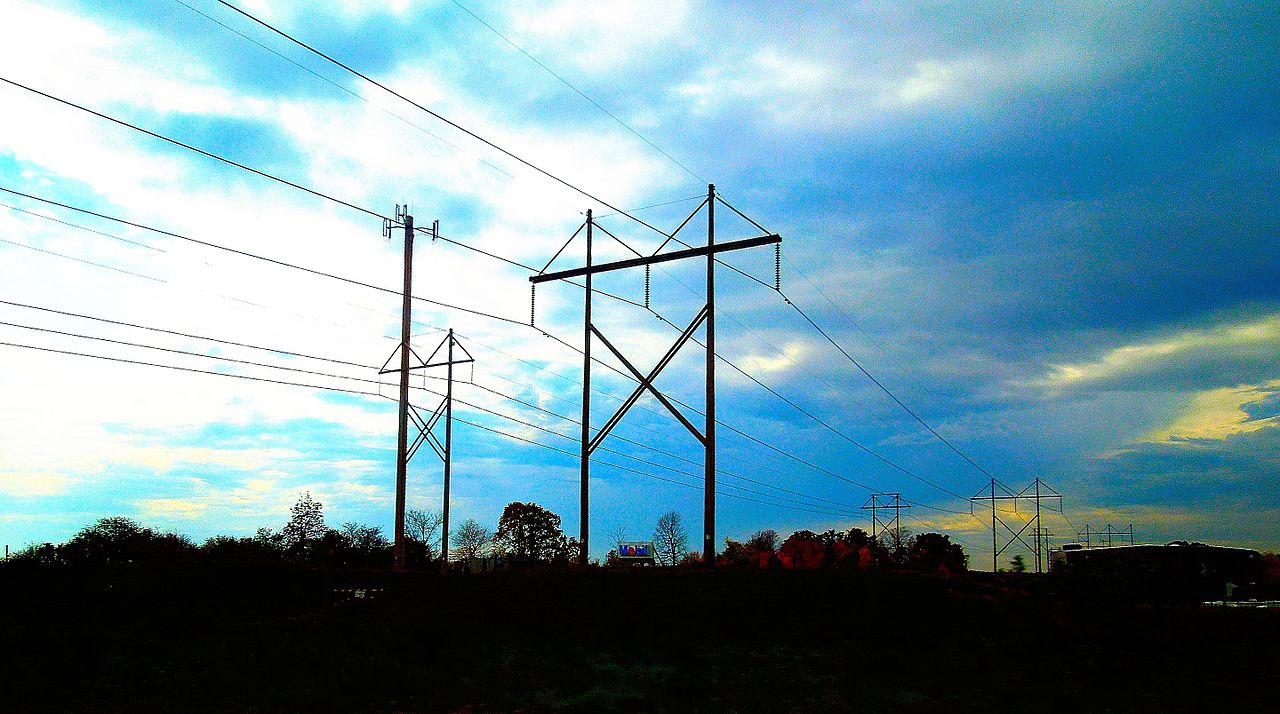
646, 383
1017, 535
424, 431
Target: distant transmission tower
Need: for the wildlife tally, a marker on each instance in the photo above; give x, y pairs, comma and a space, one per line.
1103, 538
890, 527
426, 425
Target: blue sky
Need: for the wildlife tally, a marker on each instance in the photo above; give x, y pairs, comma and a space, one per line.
1049, 231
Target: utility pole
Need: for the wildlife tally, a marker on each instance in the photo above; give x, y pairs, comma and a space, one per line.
407, 412
705, 436
709, 430
402, 439
584, 494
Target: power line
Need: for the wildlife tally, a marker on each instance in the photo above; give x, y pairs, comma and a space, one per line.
353, 206
509, 320
365, 394
769, 389
437, 115
373, 213
336, 376
857, 326
332, 83
367, 211
82, 260
476, 136
887, 391
180, 334
189, 147
83, 228
579, 92
255, 256
188, 369
864, 370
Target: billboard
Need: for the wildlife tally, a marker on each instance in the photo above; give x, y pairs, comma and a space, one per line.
636, 551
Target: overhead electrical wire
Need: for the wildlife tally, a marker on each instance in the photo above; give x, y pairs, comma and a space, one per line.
442, 118
82, 260
307, 190
501, 150
619, 211
579, 92
255, 256
86, 229
364, 393
292, 353
375, 214
332, 83
189, 147
476, 312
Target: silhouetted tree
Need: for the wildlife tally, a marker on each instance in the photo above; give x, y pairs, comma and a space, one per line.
1018, 564
934, 552
734, 555
528, 531
423, 527
35, 555
471, 540
121, 540
670, 541
569, 551
763, 547
365, 539
306, 524
803, 549
261, 547
763, 541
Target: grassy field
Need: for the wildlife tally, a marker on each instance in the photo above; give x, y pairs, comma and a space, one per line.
285, 639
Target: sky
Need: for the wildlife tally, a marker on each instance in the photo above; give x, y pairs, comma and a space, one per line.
1048, 232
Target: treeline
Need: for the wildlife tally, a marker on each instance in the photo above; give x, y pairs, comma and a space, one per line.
853, 549
526, 534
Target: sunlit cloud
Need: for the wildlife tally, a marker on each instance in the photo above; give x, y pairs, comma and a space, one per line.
1218, 414
27, 484
1139, 358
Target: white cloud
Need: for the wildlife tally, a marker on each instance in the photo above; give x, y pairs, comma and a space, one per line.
755, 363
601, 36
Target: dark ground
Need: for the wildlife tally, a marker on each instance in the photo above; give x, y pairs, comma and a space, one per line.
236, 639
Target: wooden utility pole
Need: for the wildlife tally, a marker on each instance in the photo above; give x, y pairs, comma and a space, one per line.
402, 441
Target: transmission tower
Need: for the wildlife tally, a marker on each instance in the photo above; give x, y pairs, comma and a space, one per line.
707, 315
1036, 492
426, 425
1103, 538
891, 527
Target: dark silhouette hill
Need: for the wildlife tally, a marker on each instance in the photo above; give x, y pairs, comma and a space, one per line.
288, 638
